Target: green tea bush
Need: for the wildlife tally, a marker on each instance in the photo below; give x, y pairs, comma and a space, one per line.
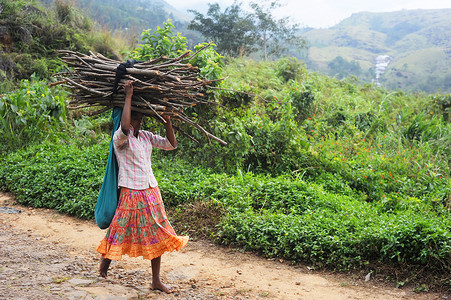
180, 182
304, 221
339, 232
58, 176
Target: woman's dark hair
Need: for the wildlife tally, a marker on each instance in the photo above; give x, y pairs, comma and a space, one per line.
134, 114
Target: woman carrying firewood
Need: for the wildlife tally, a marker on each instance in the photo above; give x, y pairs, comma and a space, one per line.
140, 226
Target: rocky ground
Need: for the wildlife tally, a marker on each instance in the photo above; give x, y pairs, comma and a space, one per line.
47, 255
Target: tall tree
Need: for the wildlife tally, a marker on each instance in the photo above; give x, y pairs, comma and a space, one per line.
274, 36
232, 30
237, 32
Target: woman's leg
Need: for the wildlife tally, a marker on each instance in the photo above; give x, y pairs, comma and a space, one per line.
104, 265
156, 282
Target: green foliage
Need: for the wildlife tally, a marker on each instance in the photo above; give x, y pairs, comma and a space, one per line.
442, 103
289, 68
317, 128
302, 99
344, 238
161, 42
325, 224
341, 68
32, 113
208, 61
277, 216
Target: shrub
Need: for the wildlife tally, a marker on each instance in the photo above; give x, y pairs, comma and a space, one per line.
31, 113
161, 42
58, 176
289, 68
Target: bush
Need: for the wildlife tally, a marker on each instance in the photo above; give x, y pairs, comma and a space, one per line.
289, 68
58, 176
161, 42
32, 113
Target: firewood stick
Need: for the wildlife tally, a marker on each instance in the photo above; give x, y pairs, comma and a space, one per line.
85, 88
134, 71
185, 134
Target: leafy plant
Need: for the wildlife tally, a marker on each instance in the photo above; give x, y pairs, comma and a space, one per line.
161, 42
32, 113
209, 61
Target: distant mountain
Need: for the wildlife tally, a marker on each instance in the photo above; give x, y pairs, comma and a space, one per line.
408, 49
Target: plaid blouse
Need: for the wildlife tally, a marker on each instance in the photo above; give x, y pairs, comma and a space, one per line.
133, 157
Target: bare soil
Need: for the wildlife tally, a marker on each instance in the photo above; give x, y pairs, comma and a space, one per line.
47, 255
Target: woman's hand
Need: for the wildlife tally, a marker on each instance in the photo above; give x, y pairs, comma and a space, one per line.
126, 112
128, 87
169, 131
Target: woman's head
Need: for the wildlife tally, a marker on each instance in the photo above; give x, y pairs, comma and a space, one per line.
136, 120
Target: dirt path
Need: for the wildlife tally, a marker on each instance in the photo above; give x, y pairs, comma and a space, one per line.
46, 255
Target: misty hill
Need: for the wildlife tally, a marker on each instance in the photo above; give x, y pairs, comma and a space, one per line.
412, 48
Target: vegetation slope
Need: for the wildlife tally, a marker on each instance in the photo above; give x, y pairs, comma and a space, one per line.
338, 174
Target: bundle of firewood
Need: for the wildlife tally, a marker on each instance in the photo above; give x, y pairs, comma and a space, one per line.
163, 86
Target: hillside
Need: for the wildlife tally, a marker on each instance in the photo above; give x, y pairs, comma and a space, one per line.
133, 16
417, 43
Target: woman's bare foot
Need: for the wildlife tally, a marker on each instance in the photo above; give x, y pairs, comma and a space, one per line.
161, 287
104, 265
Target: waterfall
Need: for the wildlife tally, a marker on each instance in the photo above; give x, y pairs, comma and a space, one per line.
382, 62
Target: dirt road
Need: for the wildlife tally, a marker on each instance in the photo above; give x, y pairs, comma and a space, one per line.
47, 255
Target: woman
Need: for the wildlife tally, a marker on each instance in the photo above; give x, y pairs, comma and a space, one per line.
140, 226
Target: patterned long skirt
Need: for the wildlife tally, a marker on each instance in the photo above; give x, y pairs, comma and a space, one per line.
140, 227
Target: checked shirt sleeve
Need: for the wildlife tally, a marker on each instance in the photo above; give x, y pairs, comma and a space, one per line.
160, 142
120, 140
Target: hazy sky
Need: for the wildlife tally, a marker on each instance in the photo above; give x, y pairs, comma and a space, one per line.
325, 13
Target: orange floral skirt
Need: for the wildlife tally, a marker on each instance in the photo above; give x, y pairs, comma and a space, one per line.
140, 227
